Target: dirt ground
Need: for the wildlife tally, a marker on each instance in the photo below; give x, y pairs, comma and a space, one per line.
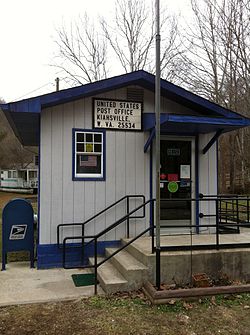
129, 315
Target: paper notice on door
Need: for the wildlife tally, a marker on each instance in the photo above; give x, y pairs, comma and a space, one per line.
185, 171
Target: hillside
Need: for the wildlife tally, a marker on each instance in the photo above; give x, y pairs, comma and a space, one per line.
12, 153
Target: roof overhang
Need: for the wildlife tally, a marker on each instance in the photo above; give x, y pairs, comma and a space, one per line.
25, 126
23, 115
193, 125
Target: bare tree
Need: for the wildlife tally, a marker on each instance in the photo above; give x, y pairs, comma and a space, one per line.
3, 132
82, 52
128, 38
131, 34
219, 63
173, 65
219, 53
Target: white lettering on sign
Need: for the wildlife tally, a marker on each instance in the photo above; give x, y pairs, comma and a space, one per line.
18, 232
173, 152
121, 115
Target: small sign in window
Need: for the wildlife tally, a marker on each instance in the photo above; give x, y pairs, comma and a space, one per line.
185, 171
174, 152
89, 147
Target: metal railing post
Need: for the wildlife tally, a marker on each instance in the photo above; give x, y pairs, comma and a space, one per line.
238, 215
153, 228
248, 208
64, 242
217, 224
57, 237
127, 217
83, 251
220, 213
226, 210
158, 267
95, 261
233, 208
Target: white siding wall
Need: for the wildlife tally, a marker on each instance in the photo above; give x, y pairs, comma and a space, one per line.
207, 177
63, 200
127, 170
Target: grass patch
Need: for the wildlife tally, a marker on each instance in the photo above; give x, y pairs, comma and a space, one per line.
230, 206
131, 314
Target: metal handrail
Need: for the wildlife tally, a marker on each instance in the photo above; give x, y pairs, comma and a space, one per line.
217, 225
106, 230
82, 224
95, 237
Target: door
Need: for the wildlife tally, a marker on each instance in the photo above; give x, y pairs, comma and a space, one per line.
176, 183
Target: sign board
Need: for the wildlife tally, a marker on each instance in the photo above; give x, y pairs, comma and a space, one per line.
173, 187
173, 152
89, 147
185, 171
117, 114
173, 177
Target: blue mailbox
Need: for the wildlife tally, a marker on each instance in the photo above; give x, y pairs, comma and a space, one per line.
17, 229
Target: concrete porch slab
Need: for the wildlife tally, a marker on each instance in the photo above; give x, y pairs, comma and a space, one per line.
144, 243
20, 284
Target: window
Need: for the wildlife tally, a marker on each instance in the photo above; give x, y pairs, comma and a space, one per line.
88, 160
32, 174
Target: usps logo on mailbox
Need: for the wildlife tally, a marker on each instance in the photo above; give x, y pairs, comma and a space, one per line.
18, 232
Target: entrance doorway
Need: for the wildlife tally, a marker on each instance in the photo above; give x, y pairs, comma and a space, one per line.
176, 183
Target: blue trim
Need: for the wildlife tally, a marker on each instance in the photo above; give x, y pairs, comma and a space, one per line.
103, 132
149, 140
39, 183
217, 165
212, 141
33, 106
197, 204
208, 120
50, 256
141, 77
167, 119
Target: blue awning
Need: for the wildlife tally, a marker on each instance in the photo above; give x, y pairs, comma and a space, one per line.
192, 125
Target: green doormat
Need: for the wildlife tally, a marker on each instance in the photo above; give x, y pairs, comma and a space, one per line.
84, 279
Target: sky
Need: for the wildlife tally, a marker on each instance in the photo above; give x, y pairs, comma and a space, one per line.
27, 37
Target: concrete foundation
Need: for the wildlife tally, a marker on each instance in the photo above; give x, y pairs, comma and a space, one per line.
179, 266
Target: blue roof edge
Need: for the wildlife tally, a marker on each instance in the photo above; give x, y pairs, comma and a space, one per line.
140, 77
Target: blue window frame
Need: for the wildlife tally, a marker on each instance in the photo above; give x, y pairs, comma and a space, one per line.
88, 154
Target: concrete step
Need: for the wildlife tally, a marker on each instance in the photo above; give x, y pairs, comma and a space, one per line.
134, 271
135, 249
109, 277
